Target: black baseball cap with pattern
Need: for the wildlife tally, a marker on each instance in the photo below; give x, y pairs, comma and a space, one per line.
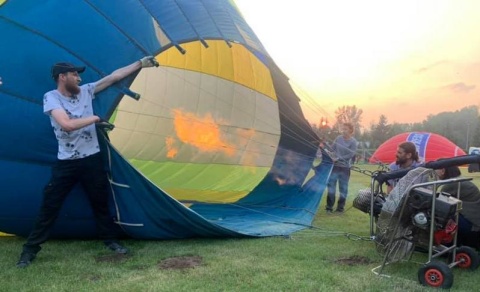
60, 68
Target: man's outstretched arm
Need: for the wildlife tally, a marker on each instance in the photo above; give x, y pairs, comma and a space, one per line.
123, 72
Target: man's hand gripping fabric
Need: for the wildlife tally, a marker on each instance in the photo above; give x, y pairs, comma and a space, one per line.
149, 61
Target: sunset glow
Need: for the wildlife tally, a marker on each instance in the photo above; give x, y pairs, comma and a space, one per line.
404, 59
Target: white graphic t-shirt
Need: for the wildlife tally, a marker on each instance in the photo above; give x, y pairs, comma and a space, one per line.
79, 143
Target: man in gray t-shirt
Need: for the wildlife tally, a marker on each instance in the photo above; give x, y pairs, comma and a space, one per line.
79, 161
344, 149
406, 157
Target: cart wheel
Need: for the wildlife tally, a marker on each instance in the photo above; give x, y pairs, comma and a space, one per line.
436, 274
468, 258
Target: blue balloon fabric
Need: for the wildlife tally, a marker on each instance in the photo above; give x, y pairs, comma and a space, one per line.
104, 36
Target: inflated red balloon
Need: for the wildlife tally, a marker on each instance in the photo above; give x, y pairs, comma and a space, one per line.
430, 147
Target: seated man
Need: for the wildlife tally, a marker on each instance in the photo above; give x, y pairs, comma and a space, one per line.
469, 218
406, 157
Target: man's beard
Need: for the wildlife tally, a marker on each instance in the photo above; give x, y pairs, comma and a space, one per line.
74, 89
400, 161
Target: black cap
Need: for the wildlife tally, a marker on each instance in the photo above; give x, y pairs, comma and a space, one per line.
60, 68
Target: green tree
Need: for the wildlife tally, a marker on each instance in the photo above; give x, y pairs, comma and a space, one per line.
462, 127
459, 126
379, 132
476, 134
323, 130
397, 128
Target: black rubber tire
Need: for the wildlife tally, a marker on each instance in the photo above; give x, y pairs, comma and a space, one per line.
470, 258
436, 274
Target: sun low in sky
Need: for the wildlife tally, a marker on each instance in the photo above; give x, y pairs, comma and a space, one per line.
404, 59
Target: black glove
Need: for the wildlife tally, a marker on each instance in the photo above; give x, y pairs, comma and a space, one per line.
382, 178
105, 125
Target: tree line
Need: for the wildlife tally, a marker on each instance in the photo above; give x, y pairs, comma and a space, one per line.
462, 127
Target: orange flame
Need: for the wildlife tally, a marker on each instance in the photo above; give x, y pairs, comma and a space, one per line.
172, 151
202, 133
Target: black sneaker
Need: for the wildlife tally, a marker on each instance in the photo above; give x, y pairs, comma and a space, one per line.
25, 260
116, 247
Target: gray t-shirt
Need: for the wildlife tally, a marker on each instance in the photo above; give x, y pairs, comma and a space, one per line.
344, 150
394, 167
79, 143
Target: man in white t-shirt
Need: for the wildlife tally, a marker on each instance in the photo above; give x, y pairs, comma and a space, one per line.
79, 160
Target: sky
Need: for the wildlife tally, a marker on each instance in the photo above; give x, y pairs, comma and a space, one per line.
405, 59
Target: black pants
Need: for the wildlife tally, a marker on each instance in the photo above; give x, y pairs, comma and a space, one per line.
465, 234
90, 173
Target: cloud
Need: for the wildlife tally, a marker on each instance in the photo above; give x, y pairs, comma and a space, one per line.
429, 67
460, 87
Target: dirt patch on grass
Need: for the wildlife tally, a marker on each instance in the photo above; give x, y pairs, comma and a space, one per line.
111, 258
180, 263
353, 261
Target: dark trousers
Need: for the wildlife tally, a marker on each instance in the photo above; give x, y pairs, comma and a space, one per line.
342, 176
90, 173
465, 234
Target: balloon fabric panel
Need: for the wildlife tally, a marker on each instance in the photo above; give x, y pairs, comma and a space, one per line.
216, 146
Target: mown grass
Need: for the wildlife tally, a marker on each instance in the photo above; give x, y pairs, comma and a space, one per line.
316, 259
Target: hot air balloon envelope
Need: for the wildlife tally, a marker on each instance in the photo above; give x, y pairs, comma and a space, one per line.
213, 144
430, 147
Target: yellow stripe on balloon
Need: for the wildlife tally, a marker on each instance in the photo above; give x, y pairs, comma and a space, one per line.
1, 3
234, 63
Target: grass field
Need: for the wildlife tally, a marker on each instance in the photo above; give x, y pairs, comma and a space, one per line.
335, 255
